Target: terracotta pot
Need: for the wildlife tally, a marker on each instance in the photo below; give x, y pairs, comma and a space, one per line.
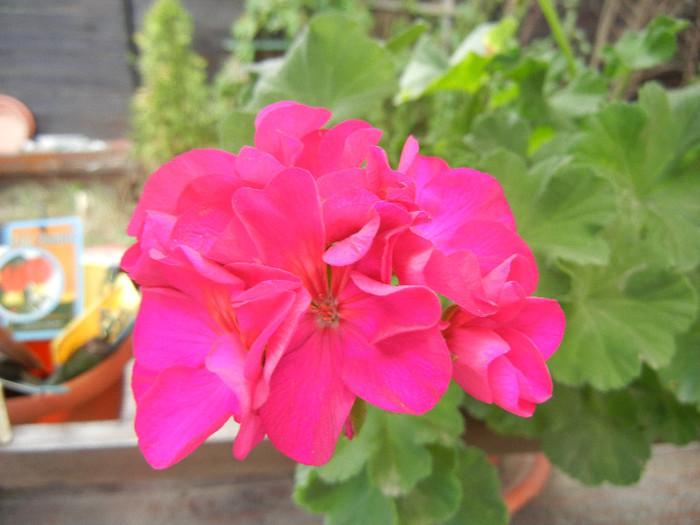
523, 468
523, 476
93, 395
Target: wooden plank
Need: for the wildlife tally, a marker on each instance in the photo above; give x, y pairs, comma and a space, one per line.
67, 61
669, 492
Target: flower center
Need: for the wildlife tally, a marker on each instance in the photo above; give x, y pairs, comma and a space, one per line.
326, 309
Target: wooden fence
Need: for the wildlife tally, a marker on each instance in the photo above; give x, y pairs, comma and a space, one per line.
70, 61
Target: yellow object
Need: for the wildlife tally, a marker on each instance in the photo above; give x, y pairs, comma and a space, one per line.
119, 302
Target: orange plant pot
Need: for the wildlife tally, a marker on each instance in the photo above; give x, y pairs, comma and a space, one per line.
93, 395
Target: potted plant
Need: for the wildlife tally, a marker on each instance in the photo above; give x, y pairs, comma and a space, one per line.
604, 191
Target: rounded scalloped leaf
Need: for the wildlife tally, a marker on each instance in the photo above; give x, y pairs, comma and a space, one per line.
624, 320
333, 64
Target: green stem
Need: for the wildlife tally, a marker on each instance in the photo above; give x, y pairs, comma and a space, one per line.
550, 13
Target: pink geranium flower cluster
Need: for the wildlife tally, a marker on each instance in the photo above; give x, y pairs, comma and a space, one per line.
282, 284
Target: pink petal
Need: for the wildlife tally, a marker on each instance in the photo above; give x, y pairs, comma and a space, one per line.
308, 402
517, 269
227, 359
405, 373
543, 322
158, 344
163, 189
492, 243
354, 247
179, 412
154, 239
529, 376
284, 220
424, 169
250, 433
257, 167
142, 379
345, 145
457, 276
408, 153
378, 310
345, 212
475, 349
281, 126
459, 196
378, 262
200, 227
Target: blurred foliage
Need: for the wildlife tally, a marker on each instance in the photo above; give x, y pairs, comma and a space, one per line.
604, 183
172, 111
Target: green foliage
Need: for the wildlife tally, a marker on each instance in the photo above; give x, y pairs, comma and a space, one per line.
171, 111
270, 25
333, 64
606, 191
405, 470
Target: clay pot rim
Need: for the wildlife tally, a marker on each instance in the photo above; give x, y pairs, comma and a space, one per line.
28, 409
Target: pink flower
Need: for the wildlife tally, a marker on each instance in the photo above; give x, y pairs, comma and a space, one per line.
470, 230
469, 251
266, 295
205, 348
500, 358
270, 294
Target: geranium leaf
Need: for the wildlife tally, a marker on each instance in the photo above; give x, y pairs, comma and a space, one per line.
681, 374
559, 206
595, 437
444, 424
351, 455
644, 149
333, 64
500, 129
398, 462
582, 96
650, 47
427, 64
663, 415
436, 497
619, 316
466, 70
356, 500
237, 130
481, 502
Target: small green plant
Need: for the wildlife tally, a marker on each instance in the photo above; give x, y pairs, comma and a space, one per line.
172, 111
275, 23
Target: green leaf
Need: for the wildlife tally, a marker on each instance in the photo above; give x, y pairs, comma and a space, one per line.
351, 455
559, 206
649, 150
481, 502
650, 47
497, 129
614, 143
682, 373
436, 497
399, 457
237, 130
466, 70
356, 500
426, 65
665, 418
333, 64
582, 96
595, 437
407, 37
398, 462
620, 316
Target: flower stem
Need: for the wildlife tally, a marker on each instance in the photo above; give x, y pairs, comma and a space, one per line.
550, 13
